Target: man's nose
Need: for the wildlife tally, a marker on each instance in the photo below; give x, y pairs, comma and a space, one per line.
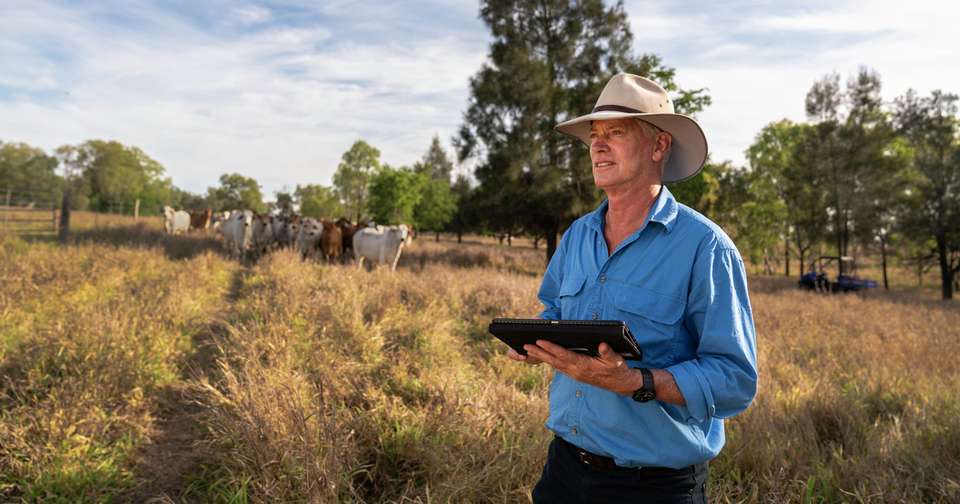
599, 144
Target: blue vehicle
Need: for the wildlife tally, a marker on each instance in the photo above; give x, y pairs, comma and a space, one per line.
817, 280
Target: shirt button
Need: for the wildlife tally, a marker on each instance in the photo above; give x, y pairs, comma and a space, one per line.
579, 393
574, 431
595, 316
603, 278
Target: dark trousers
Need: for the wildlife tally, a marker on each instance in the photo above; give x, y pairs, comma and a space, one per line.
566, 479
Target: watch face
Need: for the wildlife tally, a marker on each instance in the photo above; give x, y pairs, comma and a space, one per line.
643, 395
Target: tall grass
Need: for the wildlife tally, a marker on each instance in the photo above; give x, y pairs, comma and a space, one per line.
330, 384
89, 335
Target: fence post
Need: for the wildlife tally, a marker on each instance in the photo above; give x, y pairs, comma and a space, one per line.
136, 210
64, 231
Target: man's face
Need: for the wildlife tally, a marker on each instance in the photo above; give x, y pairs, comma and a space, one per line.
622, 154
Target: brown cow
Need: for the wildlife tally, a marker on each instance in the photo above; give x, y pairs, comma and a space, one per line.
200, 219
331, 241
347, 229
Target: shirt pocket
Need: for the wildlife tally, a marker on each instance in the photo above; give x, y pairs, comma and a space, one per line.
654, 320
570, 290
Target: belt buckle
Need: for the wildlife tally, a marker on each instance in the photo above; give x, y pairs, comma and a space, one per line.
583, 457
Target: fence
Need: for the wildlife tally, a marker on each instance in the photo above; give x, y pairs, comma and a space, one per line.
29, 211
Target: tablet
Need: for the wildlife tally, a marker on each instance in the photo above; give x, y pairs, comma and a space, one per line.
583, 336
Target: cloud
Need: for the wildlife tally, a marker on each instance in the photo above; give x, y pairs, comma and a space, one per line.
279, 101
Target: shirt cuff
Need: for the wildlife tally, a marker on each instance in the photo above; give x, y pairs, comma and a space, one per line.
695, 389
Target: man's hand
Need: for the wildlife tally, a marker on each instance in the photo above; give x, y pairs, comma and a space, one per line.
522, 358
608, 370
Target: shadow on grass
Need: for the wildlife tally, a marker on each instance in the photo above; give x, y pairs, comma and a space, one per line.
140, 236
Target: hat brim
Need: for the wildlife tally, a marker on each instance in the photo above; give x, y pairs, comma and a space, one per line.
688, 152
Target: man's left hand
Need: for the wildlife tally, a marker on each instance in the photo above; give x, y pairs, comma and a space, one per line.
608, 370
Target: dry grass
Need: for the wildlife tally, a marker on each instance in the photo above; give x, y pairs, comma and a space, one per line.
329, 384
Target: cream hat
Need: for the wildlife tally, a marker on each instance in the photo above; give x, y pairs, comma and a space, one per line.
628, 95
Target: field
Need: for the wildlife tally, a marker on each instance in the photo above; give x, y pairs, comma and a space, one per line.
135, 366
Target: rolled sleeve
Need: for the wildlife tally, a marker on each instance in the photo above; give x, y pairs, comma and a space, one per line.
721, 380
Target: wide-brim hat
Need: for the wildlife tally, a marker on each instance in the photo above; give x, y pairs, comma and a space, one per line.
628, 95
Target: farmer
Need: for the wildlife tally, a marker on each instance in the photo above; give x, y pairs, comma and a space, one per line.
643, 431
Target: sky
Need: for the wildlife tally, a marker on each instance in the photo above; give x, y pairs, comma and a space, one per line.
279, 90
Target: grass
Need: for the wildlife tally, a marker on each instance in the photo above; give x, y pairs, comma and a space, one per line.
319, 383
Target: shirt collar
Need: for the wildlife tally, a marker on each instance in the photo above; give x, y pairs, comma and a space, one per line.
664, 211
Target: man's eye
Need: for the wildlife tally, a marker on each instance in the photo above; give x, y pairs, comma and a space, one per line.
616, 132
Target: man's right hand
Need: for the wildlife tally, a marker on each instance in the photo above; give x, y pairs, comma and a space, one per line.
522, 358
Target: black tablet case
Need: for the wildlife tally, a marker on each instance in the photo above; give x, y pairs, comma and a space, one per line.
583, 336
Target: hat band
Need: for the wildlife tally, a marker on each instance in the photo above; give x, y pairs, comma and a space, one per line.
616, 108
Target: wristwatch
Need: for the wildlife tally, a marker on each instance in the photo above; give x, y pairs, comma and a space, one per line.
646, 392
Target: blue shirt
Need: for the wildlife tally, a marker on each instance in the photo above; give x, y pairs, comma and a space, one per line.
679, 284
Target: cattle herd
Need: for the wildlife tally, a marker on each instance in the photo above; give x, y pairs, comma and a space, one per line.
249, 235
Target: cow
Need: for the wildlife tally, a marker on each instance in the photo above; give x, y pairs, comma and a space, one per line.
331, 242
175, 221
308, 239
278, 223
292, 231
380, 244
262, 234
218, 219
200, 219
347, 229
238, 233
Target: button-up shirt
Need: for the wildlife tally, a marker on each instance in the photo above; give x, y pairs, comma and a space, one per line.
679, 284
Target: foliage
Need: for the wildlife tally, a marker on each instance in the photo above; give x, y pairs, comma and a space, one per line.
395, 194
538, 74
25, 169
436, 207
318, 201
930, 126
111, 176
236, 192
352, 180
435, 162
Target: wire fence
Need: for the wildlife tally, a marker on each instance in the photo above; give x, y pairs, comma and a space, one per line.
29, 211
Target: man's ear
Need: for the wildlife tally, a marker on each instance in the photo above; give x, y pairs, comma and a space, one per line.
661, 146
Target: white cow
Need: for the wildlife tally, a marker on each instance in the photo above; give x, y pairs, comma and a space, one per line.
308, 239
381, 244
217, 220
175, 221
238, 233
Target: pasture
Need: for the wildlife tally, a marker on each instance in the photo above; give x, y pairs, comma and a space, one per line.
135, 365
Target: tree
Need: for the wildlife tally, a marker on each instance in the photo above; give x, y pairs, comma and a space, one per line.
283, 201
548, 61
394, 193
464, 217
930, 125
435, 162
352, 179
436, 207
236, 192
29, 171
318, 201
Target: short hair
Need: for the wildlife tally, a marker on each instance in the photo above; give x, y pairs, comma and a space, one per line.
651, 131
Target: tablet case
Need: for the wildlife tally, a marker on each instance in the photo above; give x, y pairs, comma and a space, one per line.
583, 336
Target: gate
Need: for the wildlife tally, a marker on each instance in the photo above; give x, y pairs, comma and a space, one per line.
29, 211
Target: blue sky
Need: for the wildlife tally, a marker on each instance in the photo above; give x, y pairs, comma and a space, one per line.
279, 90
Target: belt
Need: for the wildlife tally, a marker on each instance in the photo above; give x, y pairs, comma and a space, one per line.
592, 459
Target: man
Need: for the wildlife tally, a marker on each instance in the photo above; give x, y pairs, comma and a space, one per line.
643, 431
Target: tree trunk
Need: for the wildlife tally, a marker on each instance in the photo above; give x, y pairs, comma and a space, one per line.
786, 259
64, 232
509, 240
883, 262
946, 280
551, 236
459, 236
438, 237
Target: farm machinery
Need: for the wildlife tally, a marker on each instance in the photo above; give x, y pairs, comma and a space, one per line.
846, 280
